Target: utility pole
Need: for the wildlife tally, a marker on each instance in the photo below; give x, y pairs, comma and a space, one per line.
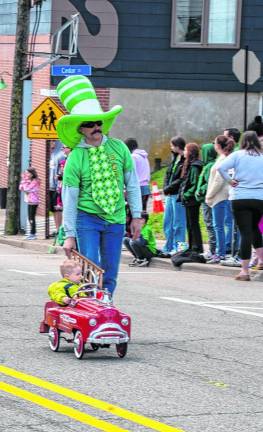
12, 222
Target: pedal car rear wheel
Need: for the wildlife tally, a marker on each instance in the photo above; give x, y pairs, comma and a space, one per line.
54, 338
122, 349
79, 344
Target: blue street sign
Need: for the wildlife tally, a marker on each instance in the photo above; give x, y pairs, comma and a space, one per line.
68, 70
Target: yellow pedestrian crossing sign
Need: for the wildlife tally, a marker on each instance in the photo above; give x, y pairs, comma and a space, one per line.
41, 123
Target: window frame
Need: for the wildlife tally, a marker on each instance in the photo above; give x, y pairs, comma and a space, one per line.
204, 30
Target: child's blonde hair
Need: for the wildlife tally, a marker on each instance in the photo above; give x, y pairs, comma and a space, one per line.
68, 266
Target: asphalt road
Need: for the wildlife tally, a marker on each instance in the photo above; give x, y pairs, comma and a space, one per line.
194, 362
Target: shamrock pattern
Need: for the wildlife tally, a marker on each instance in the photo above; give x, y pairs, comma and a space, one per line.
105, 190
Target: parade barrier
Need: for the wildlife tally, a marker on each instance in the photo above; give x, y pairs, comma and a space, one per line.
158, 206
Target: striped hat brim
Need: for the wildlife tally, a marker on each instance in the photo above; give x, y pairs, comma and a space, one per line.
68, 125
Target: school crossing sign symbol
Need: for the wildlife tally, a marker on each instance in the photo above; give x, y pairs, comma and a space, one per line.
41, 123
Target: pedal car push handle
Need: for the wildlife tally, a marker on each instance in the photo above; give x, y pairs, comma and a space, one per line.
94, 276
87, 285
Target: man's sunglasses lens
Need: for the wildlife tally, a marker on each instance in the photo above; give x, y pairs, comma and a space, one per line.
92, 124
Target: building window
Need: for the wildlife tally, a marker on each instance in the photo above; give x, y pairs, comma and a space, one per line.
206, 23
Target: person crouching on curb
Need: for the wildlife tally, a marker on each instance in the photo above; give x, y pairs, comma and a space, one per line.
144, 248
64, 290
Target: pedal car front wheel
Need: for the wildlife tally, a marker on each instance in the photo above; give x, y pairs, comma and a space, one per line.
54, 338
122, 349
78, 344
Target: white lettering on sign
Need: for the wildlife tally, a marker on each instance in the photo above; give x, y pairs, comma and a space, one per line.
97, 50
68, 319
68, 70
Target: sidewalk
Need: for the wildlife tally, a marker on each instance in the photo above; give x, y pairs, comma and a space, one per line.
44, 246
40, 222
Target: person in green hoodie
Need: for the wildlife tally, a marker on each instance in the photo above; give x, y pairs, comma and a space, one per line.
191, 171
144, 248
209, 156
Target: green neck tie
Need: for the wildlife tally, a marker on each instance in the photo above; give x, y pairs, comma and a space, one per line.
105, 190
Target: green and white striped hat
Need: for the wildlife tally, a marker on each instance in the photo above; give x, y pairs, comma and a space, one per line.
79, 98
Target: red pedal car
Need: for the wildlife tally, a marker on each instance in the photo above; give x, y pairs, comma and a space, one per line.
92, 319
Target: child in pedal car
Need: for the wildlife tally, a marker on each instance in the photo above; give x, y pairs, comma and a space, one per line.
64, 290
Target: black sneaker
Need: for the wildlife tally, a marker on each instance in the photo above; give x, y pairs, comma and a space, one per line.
164, 255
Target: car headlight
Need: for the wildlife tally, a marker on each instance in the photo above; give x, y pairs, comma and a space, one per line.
92, 322
125, 321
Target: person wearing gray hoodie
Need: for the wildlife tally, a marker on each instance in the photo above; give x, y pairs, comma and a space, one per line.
142, 167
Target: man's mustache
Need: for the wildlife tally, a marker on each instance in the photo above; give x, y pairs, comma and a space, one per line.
96, 131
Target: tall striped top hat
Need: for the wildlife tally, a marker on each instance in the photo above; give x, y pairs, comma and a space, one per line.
79, 98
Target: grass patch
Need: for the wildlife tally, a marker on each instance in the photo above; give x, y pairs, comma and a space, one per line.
158, 177
156, 223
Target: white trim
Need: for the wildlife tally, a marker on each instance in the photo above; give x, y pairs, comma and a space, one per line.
76, 93
90, 106
213, 306
71, 84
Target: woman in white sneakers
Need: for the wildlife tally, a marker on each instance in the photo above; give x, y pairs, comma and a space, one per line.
246, 194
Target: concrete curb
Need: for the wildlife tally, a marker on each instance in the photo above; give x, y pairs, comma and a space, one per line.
46, 246
165, 263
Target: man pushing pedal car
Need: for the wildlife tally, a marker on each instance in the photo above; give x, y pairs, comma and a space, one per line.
96, 173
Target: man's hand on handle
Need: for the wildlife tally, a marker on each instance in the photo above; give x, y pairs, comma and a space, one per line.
69, 244
136, 226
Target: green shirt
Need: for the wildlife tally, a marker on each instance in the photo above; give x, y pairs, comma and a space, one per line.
147, 234
77, 174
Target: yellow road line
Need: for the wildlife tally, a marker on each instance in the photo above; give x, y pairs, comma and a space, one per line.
88, 400
61, 409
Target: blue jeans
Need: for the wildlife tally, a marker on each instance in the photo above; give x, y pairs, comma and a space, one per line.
101, 242
222, 221
208, 220
174, 224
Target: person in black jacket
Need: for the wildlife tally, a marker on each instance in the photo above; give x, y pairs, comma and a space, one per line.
256, 125
191, 170
174, 224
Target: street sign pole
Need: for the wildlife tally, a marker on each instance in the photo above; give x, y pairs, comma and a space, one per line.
247, 68
245, 87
